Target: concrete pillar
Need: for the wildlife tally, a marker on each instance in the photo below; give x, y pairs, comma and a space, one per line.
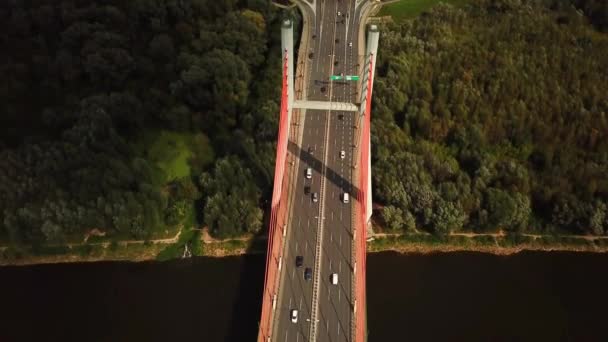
371, 50
287, 46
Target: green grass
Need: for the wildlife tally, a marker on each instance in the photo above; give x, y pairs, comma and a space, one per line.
177, 154
406, 9
176, 250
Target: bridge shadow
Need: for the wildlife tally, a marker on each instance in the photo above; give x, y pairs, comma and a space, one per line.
247, 306
331, 175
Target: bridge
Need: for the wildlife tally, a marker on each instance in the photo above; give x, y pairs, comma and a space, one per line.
314, 286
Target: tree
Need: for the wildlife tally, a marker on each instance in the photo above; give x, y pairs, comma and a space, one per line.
505, 210
446, 217
231, 199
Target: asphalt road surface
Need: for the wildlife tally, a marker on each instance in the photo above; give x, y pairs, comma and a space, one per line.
326, 134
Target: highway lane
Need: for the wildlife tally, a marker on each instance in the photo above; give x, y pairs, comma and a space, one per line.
326, 134
336, 301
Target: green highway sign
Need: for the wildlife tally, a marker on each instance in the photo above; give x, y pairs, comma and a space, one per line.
348, 78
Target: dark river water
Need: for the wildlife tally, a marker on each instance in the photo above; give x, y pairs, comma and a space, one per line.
442, 297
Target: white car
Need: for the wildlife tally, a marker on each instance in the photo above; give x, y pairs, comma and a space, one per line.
294, 316
345, 197
309, 173
350, 44
334, 278
339, 14
342, 154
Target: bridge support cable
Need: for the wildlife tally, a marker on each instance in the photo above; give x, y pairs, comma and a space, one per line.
275, 237
364, 193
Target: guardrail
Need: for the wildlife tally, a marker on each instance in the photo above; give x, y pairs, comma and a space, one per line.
277, 218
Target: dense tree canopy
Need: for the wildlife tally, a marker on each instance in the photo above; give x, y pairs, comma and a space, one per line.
87, 83
493, 117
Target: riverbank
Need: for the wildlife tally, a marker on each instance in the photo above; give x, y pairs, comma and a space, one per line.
201, 244
186, 243
498, 244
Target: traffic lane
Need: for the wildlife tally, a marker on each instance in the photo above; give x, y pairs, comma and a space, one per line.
296, 290
336, 301
316, 131
333, 311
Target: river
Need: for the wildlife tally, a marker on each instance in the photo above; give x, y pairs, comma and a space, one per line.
438, 297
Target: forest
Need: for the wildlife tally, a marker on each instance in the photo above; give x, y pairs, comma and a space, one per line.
136, 117
493, 117
133, 117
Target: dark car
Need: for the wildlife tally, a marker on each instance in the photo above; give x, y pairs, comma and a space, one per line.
299, 261
307, 190
308, 273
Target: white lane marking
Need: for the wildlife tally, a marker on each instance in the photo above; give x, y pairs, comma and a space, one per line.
300, 307
296, 246
286, 331
293, 274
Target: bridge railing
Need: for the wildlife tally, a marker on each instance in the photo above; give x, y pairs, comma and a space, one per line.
360, 305
277, 218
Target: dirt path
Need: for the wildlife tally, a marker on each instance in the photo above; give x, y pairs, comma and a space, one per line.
105, 244
498, 235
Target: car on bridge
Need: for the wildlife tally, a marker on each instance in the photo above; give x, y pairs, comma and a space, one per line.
334, 278
342, 154
308, 273
309, 173
299, 261
294, 316
345, 198
315, 197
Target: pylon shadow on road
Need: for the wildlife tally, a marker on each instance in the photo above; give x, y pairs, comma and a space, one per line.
317, 165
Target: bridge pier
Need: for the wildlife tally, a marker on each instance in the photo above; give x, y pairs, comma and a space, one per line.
287, 47
371, 51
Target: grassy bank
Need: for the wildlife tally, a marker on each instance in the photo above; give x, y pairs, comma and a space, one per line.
82, 253
508, 244
131, 251
407, 9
